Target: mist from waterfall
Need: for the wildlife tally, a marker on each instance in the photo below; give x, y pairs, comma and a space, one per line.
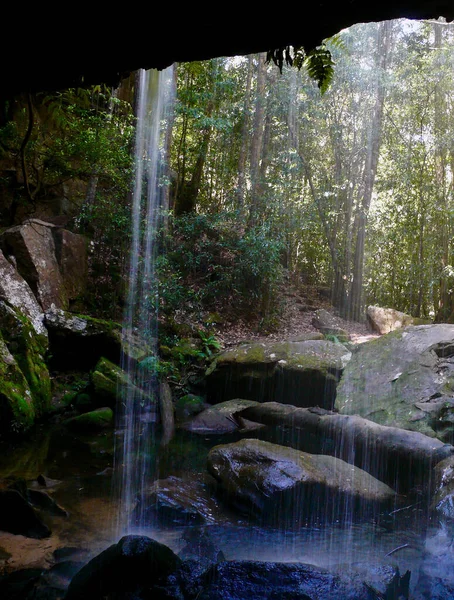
134, 448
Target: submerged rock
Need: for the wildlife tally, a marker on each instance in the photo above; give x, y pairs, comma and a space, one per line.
300, 373
221, 418
404, 379
287, 487
402, 458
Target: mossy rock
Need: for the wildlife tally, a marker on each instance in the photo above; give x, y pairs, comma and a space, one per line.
17, 411
96, 420
302, 373
403, 379
188, 406
28, 349
111, 383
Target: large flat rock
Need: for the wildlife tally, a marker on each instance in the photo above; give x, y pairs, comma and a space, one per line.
302, 373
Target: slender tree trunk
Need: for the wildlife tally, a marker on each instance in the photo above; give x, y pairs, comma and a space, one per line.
241, 183
257, 138
370, 171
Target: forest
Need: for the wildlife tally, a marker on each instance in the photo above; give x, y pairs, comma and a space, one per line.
270, 181
189, 269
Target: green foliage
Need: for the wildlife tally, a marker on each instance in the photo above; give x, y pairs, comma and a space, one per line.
318, 62
209, 262
320, 67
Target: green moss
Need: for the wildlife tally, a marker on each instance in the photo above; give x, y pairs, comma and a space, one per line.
92, 421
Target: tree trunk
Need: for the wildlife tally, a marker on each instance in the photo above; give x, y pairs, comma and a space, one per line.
370, 171
240, 190
257, 138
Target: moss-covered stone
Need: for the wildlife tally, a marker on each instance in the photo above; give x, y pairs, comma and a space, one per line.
17, 412
187, 406
28, 348
303, 373
403, 379
96, 420
110, 382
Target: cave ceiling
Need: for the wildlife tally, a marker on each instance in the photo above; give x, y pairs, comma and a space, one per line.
74, 50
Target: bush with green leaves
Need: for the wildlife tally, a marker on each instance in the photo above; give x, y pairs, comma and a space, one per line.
210, 263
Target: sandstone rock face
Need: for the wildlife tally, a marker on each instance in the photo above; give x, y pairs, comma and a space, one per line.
52, 260
300, 373
385, 320
32, 245
17, 293
404, 379
71, 254
443, 499
285, 486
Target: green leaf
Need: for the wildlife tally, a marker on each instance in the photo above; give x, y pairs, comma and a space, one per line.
320, 67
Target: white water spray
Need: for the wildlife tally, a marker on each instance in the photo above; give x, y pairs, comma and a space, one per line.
134, 454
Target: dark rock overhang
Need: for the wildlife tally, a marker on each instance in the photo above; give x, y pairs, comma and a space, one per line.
51, 52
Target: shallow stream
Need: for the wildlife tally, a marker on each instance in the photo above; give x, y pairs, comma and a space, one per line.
83, 466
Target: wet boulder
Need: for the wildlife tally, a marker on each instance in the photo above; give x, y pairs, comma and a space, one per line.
111, 382
399, 457
124, 569
188, 406
303, 373
404, 379
255, 580
443, 498
284, 486
181, 501
221, 419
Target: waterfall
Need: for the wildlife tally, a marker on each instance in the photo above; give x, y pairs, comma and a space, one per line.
134, 447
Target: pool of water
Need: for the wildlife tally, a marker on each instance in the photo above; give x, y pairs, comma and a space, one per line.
82, 467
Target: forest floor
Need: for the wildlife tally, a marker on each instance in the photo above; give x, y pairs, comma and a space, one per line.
297, 311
